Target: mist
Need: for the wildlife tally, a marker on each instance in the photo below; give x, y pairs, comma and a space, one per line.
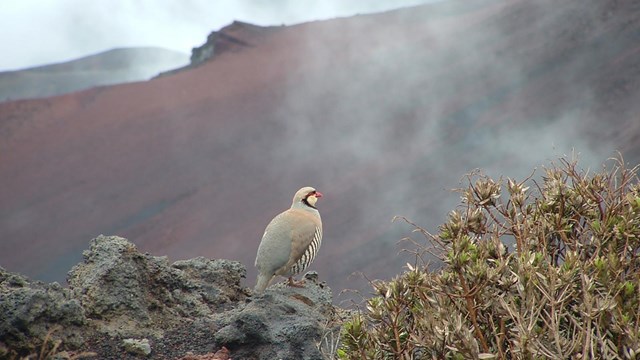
414, 110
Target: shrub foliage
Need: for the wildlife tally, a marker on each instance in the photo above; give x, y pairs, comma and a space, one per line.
531, 270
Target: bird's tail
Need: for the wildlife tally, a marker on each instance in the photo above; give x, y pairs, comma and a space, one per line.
262, 283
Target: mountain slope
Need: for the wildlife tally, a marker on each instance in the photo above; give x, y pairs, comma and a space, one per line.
382, 113
106, 68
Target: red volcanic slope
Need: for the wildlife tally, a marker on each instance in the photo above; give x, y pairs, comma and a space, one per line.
382, 113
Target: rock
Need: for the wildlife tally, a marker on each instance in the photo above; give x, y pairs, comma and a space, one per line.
120, 301
232, 37
283, 323
218, 280
134, 294
137, 346
32, 309
222, 354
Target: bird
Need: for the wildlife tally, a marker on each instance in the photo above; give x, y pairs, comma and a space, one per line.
290, 241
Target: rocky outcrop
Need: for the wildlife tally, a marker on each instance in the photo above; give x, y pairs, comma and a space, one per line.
124, 304
233, 37
284, 323
30, 309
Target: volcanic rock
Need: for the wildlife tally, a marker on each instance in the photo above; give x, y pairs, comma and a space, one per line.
123, 304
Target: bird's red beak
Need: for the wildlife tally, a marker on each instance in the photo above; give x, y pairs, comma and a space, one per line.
318, 194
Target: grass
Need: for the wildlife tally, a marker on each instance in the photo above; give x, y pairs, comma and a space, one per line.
50, 349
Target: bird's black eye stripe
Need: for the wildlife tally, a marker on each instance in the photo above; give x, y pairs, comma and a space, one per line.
306, 202
309, 194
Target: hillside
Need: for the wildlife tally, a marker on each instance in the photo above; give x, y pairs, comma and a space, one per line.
106, 68
382, 113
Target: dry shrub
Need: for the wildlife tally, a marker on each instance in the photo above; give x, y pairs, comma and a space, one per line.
531, 270
50, 349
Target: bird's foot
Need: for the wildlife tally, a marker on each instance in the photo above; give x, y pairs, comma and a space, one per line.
293, 283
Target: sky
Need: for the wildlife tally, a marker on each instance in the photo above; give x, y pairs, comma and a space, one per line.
39, 32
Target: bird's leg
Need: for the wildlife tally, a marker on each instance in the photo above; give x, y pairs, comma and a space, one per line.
294, 283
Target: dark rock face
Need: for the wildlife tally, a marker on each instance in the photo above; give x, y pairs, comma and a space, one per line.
120, 303
229, 38
31, 308
117, 282
283, 323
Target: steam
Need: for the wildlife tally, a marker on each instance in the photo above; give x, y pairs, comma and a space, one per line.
399, 125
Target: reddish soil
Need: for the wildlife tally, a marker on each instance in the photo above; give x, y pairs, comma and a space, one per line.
382, 113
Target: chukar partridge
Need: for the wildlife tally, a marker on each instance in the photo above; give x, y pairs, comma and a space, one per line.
291, 240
